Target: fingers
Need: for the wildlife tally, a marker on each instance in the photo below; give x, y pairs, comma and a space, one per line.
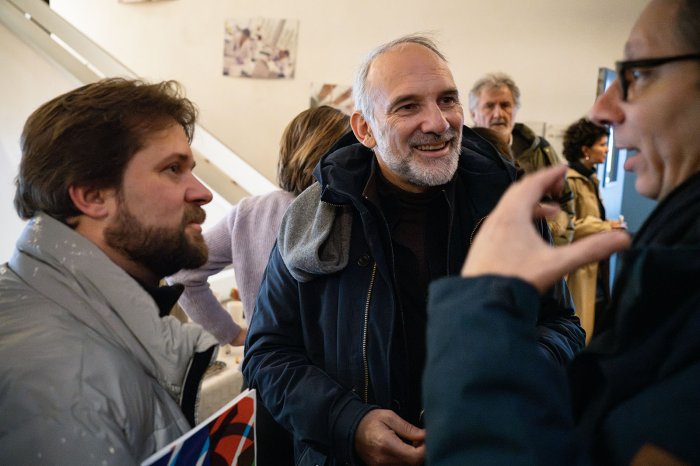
405, 430
543, 210
533, 187
381, 439
594, 248
509, 245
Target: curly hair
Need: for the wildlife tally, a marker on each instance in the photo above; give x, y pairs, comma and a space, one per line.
305, 139
86, 137
581, 133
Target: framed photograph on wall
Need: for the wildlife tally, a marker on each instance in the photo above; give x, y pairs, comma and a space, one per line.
338, 96
260, 48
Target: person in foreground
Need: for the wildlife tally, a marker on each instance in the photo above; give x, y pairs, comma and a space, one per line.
633, 395
336, 346
91, 373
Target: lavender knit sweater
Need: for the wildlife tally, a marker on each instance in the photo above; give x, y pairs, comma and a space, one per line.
243, 239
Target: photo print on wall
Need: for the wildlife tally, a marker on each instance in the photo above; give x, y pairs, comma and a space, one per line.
261, 48
338, 96
138, 1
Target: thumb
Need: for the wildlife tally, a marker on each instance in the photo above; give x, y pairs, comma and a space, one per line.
404, 429
594, 248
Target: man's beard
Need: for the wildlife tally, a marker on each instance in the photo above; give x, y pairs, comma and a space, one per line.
163, 250
422, 171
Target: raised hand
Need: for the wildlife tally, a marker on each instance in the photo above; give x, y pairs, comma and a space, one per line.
509, 245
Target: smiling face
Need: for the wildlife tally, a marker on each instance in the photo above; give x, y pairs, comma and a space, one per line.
660, 117
495, 109
156, 225
416, 128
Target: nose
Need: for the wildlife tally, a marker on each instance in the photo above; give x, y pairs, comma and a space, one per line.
606, 110
197, 193
435, 120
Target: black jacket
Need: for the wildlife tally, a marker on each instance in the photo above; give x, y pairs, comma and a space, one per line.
631, 397
326, 347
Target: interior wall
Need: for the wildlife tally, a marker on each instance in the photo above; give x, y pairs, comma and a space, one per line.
552, 48
27, 80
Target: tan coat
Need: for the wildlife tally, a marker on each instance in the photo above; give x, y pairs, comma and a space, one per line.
587, 221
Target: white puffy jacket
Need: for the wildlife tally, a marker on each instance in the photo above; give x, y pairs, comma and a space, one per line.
89, 373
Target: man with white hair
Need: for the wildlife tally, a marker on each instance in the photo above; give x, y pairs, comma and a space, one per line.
494, 101
336, 345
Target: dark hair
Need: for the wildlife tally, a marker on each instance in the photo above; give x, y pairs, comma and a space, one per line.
581, 133
86, 137
688, 21
305, 139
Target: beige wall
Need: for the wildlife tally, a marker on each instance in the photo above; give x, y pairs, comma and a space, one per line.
27, 80
552, 48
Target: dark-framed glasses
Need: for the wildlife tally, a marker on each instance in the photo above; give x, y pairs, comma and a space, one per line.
626, 70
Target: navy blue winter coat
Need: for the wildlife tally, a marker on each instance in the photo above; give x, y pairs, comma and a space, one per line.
631, 397
325, 348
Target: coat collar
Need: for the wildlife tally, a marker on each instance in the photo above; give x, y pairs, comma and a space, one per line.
71, 271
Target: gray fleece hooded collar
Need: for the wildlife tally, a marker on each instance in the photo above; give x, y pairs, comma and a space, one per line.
314, 238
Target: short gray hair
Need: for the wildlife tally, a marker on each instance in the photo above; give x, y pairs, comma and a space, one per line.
361, 92
490, 81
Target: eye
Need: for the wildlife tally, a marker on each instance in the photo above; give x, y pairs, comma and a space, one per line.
174, 168
410, 106
449, 100
638, 74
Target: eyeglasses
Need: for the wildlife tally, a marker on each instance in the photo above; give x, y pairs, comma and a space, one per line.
626, 70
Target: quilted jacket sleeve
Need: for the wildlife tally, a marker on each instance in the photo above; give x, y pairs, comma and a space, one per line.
490, 397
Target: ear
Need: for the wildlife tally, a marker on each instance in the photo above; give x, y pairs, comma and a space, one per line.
362, 130
93, 202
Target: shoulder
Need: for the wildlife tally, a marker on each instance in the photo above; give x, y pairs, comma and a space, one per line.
521, 130
479, 156
272, 200
274, 204
573, 174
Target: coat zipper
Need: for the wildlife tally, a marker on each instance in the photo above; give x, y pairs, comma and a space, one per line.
476, 228
365, 391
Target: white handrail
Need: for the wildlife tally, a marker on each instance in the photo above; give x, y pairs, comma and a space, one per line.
35, 23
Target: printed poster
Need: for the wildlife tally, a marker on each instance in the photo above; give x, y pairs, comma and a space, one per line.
260, 48
227, 437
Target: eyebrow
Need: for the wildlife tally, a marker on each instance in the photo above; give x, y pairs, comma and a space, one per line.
180, 157
400, 100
